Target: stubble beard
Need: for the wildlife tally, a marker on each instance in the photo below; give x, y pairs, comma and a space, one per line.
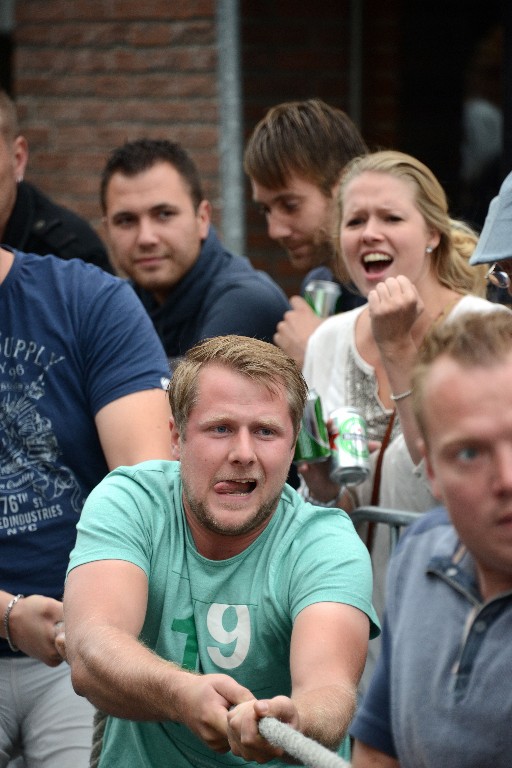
321, 251
324, 246
204, 517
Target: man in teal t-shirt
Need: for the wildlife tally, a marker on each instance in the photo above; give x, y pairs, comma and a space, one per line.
205, 594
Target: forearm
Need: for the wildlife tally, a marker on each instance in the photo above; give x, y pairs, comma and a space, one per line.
325, 713
122, 677
410, 430
125, 679
398, 369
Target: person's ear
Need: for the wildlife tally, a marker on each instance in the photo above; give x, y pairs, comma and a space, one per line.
204, 215
434, 239
175, 439
20, 157
111, 251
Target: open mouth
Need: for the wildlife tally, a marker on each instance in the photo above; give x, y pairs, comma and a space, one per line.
235, 487
374, 263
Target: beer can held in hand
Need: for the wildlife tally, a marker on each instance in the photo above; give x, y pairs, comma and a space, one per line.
313, 440
350, 457
322, 296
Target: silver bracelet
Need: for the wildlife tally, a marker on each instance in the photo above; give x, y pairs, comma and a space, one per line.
329, 504
401, 396
7, 613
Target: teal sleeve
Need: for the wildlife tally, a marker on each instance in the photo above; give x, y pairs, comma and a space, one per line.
328, 562
118, 521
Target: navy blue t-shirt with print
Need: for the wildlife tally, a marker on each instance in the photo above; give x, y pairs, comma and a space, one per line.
72, 339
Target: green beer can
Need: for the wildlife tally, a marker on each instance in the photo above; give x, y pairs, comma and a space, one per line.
313, 441
322, 296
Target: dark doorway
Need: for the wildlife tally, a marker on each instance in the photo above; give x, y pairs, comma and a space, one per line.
452, 98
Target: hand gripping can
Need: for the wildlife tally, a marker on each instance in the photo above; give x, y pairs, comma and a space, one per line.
313, 440
322, 296
350, 457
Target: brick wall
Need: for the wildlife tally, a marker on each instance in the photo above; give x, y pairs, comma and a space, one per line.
90, 74
298, 51
382, 47
290, 51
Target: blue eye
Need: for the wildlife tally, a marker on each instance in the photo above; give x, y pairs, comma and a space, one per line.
469, 453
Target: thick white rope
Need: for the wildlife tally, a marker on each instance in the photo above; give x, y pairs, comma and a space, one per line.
282, 735
308, 751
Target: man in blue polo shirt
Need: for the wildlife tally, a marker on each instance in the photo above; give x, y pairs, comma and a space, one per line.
441, 693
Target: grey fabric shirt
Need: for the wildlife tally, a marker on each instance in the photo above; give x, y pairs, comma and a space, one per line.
441, 694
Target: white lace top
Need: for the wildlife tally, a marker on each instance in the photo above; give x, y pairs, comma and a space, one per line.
335, 369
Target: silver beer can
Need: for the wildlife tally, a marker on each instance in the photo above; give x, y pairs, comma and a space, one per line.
322, 296
350, 457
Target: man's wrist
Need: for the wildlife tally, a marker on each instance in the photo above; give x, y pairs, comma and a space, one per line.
331, 502
7, 615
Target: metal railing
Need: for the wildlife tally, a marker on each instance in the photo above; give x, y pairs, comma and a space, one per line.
394, 518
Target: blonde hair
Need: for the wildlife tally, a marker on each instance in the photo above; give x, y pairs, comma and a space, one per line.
257, 360
473, 340
457, 240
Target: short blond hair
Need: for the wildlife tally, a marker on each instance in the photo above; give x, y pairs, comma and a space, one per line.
472, 340
257, 360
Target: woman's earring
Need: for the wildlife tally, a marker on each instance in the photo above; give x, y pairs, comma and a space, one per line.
428, 249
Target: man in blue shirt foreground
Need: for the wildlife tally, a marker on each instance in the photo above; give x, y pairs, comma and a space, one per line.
204, 594
82, 380
441, 691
